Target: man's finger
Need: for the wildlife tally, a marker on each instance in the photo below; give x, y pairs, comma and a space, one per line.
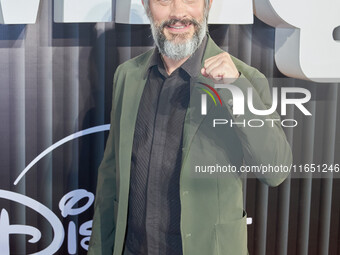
213, 65
211, 59
204, 73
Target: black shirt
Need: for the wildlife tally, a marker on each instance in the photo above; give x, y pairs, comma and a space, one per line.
153, 225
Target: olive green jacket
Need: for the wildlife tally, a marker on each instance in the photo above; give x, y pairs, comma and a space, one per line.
213, 221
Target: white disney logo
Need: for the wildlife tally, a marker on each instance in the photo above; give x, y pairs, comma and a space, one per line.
66, 205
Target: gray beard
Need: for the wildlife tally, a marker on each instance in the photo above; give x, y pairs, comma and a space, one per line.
178, 51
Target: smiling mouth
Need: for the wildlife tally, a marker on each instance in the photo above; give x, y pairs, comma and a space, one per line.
179, 26
176, 25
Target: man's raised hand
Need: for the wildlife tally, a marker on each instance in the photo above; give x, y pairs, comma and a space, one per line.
220, 68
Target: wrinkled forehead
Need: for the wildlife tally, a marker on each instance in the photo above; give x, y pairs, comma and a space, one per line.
146, 2
148, 11
167, 2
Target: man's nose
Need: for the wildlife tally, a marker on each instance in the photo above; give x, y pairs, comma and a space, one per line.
178, 9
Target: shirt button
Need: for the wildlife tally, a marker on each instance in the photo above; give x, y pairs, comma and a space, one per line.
187, 235
185, 193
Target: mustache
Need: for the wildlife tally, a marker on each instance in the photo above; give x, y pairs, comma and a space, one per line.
182, 21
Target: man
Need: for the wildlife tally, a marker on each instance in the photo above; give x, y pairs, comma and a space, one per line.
148, 199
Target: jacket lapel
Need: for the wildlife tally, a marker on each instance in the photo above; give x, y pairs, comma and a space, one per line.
194, 117
134, 84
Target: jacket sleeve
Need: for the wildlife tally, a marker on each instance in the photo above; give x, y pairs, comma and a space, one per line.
103, 226
264, 146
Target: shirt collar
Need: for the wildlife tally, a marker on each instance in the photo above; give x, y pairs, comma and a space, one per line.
193, 64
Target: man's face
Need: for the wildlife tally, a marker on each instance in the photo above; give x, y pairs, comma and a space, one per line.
178, 26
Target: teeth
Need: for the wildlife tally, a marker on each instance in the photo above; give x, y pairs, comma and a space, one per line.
177, 27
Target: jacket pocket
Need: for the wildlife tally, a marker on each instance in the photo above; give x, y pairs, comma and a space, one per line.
231, 237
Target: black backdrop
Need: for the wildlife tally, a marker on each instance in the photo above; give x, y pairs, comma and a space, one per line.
56, 80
